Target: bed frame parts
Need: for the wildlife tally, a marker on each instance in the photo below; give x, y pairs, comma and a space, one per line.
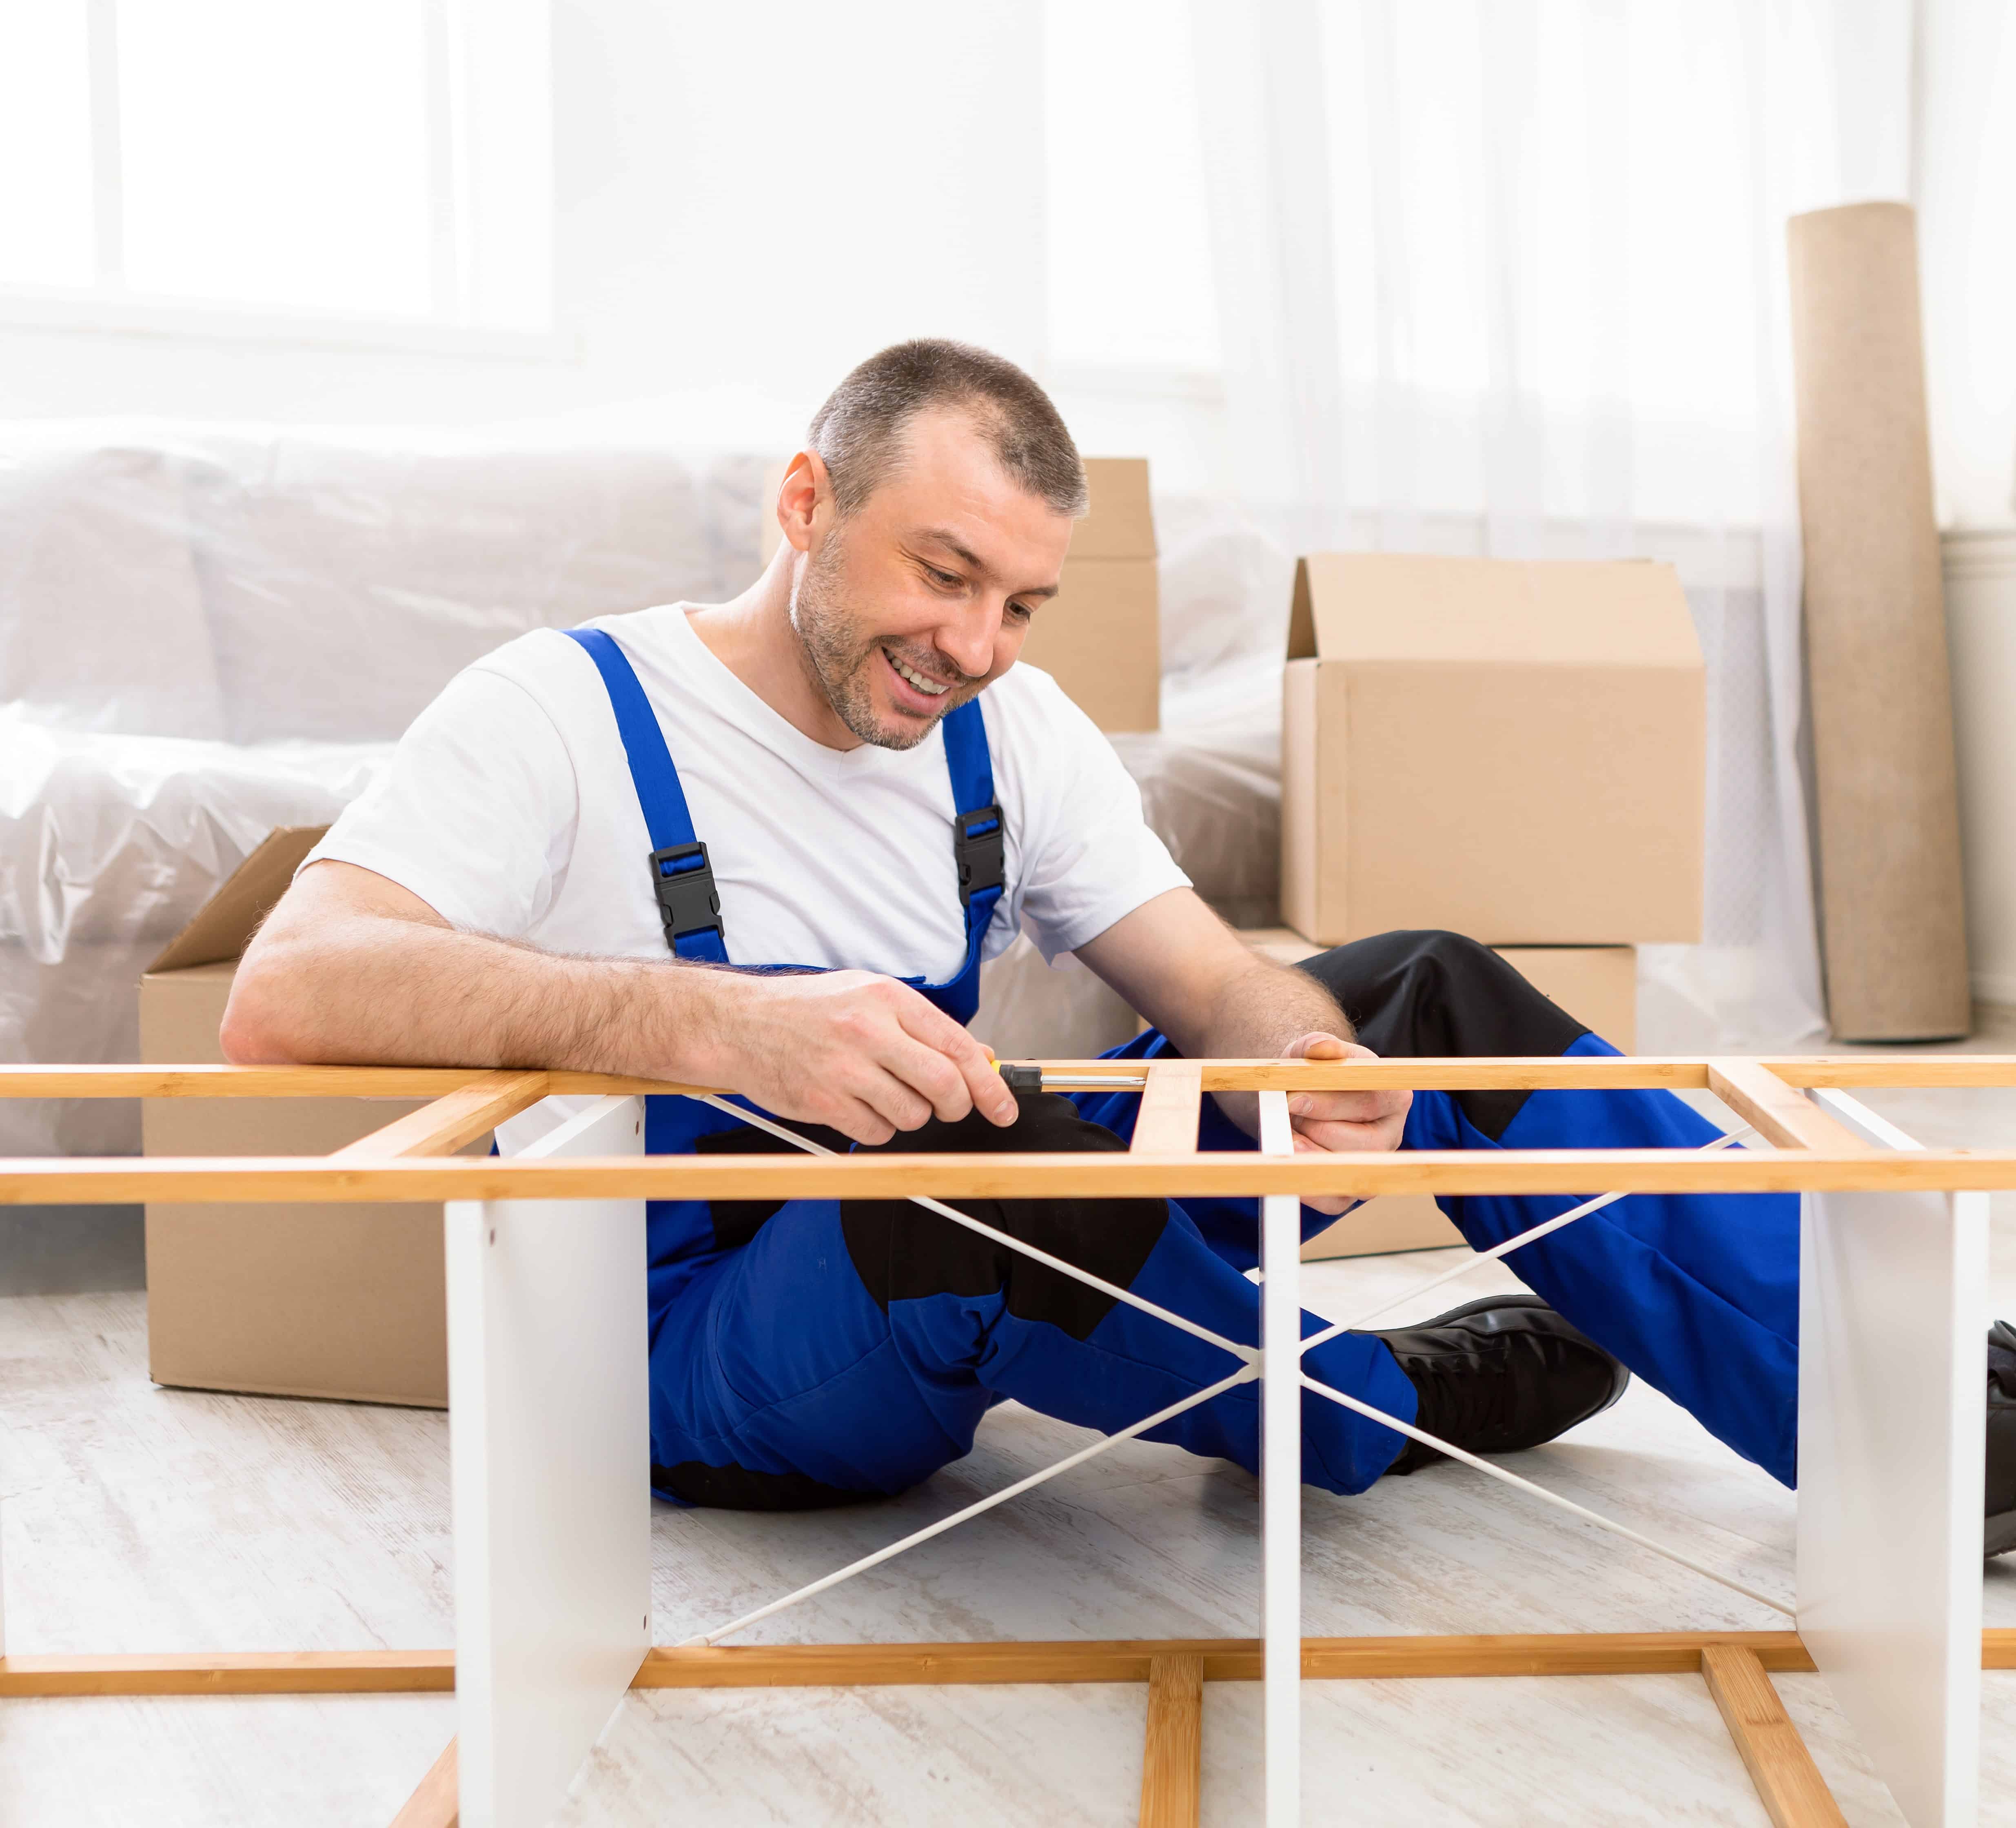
549, 1410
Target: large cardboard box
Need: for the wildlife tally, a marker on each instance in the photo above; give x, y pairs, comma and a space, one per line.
1598, 985
1513, 749
344, 1301
1100, 636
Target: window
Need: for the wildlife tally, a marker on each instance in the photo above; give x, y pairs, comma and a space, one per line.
385, 161
1128, 258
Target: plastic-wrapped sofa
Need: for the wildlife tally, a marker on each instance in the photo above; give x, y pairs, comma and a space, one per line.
206, 633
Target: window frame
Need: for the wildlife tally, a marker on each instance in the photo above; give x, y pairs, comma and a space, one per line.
108, 308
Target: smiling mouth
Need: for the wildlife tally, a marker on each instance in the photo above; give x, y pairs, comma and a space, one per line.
915, 680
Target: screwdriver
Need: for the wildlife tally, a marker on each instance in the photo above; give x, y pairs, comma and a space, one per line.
1038, 1079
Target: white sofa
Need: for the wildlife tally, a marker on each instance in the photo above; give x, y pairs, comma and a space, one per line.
205, 632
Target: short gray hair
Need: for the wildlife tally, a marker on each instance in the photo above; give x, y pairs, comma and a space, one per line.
858, 432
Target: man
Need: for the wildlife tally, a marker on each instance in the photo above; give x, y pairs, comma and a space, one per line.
767, 844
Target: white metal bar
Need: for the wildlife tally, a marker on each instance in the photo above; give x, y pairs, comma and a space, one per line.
1281, 1479
1245, 1354
1892, 1408
1244, 1374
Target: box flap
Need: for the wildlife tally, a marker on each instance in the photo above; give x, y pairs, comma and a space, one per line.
224, 923
1394, 606
1120, 524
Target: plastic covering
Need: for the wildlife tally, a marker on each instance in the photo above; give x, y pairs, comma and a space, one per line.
108, 844
207, 634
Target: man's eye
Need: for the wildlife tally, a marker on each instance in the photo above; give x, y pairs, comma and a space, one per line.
944, 580
1021, 612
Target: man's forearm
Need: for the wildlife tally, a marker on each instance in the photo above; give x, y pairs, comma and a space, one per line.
1257, 1012
352, 967
373, 990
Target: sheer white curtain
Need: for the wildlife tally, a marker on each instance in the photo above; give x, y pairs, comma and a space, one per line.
1506, 276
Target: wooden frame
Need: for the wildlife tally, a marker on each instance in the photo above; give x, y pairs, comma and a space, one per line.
410, 1160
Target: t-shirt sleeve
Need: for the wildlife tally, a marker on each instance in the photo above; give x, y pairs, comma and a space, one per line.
476, 812
1087, 856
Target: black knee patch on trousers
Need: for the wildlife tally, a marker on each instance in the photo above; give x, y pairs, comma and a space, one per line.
1426, 991
735, 1221
902, 1253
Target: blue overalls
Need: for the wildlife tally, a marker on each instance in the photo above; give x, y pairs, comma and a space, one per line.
818, 1351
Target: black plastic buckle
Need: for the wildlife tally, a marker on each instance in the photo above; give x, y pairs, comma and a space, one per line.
687, 900
979, 844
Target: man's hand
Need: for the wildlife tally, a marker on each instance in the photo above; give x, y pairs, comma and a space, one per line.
860, 1053
857, 1053
1325, 1122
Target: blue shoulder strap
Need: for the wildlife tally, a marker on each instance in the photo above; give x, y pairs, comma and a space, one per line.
978, 834
682, 877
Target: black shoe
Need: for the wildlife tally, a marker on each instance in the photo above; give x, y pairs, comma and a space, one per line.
1999, 1535
1502, 1374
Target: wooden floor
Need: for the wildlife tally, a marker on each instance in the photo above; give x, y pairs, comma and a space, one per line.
141, 1519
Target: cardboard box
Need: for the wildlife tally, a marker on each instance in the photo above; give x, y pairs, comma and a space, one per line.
346, 1302
1100, 636
1513, 749
1598, 985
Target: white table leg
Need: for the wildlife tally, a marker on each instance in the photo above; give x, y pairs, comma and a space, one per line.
548, 1406
1892, 1414
1281, 1480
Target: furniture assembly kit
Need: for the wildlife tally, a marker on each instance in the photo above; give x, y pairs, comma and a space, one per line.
548, 1409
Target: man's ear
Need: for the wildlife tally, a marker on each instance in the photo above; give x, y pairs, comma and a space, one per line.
805, 499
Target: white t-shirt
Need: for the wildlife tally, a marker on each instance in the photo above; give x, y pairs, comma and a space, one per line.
508, 808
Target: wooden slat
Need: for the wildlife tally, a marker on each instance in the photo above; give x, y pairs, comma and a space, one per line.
1789, 1784
271, 1672
438, 1802
1480, 1073
257, 1179
884, 1665
1167, 1123
1223, 1659
1782, 1115
205, 1081
901, 1665
1172, 1751
456, 1117
1851, 1071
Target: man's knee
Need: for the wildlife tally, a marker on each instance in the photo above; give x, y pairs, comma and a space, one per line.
1426, 991
903, 1252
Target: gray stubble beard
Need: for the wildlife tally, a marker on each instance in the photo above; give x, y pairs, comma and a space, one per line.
834, 662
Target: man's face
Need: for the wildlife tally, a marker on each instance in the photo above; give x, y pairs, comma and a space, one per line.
922, 597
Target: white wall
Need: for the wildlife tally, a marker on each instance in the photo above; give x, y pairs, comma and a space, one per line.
1965, 185
1980, 628
878, 173
1965, 189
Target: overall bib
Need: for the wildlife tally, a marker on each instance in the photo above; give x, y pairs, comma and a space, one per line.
818, 1351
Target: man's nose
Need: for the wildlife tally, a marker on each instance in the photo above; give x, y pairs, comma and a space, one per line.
969, 642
